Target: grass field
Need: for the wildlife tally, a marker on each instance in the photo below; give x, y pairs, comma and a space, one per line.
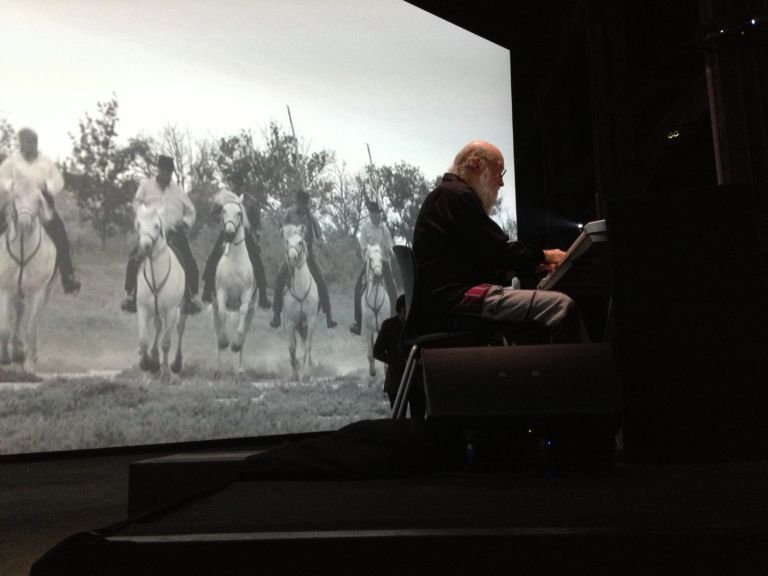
91, 394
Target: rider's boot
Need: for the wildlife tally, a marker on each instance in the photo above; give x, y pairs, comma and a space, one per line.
57, 232
129, 303
208, 291
191, 304
70, 284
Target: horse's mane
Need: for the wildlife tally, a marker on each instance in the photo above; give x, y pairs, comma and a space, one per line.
149, 214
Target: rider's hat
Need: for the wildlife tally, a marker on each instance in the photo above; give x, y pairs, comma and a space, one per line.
165, 163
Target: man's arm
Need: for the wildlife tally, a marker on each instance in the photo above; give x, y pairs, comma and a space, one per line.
6, 175
317, 231
54, 181
477, 229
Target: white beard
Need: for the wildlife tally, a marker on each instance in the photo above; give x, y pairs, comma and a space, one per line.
487, 191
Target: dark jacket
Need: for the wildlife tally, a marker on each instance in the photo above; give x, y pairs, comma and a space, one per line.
456, 246
387, 349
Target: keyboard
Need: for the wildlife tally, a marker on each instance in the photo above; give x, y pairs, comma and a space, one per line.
592, 235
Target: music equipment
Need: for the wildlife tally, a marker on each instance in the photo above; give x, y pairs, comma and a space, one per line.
585, 262
542, 401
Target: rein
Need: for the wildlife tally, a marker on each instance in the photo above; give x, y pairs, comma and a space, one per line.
376, 281
21, 260
238, 225
152, 285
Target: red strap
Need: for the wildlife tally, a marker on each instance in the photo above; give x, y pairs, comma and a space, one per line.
474, 298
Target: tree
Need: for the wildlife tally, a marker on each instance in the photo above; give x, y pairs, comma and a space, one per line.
343, 203
400, 191
272, 174
177, 144
7, 136
101, 174
203, 183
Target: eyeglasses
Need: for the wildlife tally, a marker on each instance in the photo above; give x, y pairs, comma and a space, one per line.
491, 163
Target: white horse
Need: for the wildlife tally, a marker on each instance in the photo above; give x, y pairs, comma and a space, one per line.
375, 301
27, 269
159, 293
235, 283
301, 302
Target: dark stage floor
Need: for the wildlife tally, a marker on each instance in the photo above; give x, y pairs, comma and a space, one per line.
513, 519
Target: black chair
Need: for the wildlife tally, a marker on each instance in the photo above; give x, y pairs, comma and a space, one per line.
472, 330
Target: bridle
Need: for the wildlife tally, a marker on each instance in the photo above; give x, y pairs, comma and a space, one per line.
237, 224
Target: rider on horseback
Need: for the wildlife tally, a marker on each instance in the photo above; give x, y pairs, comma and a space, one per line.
301, 215
252, 236
28, 164
179, 216
372, 233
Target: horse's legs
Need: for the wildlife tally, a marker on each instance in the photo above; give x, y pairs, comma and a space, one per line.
180, 326
218, 326
17, 338
247, 326
220, 319
242, 324
311, 323
292, 329
155, 343
5, 327
167, 327
145, 361
34, 307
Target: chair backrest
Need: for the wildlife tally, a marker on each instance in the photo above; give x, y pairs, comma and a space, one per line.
407, 265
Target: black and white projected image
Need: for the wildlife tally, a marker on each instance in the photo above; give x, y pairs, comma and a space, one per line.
269, 132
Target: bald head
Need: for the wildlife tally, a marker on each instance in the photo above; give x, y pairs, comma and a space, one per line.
481, 165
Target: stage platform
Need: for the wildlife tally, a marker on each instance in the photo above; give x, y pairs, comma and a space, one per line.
522, 517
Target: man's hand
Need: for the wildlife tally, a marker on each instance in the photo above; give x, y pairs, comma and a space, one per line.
552, 259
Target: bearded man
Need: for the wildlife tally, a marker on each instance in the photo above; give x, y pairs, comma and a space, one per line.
463, 258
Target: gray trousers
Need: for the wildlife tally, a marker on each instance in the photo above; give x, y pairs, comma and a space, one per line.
538, 315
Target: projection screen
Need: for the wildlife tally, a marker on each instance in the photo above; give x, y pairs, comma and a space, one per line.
348, 100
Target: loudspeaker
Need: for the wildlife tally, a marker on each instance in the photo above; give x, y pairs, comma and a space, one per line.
549, 401
690, 324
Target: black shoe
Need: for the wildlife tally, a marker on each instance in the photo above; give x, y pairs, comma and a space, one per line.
129, 305
191, 306
331, 322
71, 284
355, 329
207, 294
275, 323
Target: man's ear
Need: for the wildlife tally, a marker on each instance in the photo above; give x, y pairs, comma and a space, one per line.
474, 162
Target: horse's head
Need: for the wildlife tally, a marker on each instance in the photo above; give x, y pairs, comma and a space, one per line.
374, 260
233, 217
150, 228
28, 205
293, 243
